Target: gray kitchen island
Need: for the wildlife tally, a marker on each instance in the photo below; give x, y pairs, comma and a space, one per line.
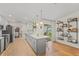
38, 43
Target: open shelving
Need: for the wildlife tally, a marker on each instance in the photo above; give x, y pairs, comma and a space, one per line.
73, 30
60, 30
68, 31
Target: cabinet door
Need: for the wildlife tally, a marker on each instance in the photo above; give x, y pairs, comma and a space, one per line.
41, 46
1, 45
34, 44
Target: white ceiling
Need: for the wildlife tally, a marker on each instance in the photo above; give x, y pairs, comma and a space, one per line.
28, 11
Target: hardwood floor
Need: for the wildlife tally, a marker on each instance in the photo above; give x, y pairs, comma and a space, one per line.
21, 48
58, 49
18, 48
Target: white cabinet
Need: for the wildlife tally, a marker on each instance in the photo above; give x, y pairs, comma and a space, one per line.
37, 43
1, 44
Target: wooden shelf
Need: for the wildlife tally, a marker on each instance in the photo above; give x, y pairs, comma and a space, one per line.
73, 30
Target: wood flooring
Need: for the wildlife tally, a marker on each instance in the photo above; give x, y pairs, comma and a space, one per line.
58, 49
18, 48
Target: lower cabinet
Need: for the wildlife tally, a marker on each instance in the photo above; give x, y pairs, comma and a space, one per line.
1, 44
6, 40
41, 46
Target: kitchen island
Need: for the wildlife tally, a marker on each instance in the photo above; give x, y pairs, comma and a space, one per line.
38, 43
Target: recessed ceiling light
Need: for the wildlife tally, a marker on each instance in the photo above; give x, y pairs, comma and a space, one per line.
41, 23
10, 15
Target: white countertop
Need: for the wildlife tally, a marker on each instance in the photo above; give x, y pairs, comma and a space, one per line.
1, 38
39, 37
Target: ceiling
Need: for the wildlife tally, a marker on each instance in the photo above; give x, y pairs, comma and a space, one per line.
23, 12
